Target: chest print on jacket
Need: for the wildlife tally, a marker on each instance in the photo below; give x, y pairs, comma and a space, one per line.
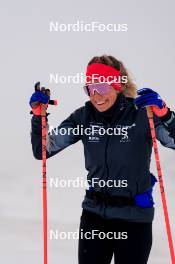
124, 132
98, 130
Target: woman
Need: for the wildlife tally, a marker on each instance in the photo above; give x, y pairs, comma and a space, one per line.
117, 148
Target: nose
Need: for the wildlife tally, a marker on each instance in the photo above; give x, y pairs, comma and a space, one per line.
97, 94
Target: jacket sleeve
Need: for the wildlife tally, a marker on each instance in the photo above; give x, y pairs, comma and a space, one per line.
58, 138
165, 129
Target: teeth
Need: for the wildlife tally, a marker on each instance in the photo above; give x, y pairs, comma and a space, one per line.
101, 102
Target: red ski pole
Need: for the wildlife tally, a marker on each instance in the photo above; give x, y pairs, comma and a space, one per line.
44, 135
44, 131
161, 184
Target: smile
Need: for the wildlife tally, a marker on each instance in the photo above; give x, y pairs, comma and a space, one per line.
101, 102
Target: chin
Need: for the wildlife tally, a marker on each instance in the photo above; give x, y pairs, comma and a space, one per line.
102, 108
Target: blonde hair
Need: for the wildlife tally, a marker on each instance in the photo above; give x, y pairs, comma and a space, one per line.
129, 89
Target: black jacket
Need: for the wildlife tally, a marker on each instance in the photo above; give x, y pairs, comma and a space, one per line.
123, 156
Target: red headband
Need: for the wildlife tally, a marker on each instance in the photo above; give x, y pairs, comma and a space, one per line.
103, 73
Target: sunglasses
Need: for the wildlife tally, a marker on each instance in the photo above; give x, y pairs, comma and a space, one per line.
100, 88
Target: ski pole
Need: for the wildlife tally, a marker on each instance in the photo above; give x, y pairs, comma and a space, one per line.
161, 184
44, 135
44, 131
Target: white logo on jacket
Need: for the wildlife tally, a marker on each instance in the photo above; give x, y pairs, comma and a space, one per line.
98, 131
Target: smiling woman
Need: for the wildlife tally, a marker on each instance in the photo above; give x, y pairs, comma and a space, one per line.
103, 94
123, 155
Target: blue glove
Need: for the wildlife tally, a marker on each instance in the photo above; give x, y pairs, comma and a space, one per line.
145, 200
40, 97
148, 97
152, 99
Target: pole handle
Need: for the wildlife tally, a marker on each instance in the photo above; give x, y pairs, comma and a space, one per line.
149, 112
43, 109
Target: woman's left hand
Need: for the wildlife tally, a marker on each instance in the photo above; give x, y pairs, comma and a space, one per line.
148, 97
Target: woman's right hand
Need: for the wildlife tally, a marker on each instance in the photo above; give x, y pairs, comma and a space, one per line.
39, 100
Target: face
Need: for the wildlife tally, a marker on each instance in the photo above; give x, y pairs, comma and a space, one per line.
104, 102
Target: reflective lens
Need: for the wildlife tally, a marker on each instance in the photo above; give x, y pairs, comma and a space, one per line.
101, 88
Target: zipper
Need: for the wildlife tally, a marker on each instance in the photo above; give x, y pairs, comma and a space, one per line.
106, 147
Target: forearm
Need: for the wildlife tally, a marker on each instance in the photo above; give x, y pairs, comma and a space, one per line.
165, 130
36, 137
55, 141
169, 122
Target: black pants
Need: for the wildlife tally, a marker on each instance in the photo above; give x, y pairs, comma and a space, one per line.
100, 250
